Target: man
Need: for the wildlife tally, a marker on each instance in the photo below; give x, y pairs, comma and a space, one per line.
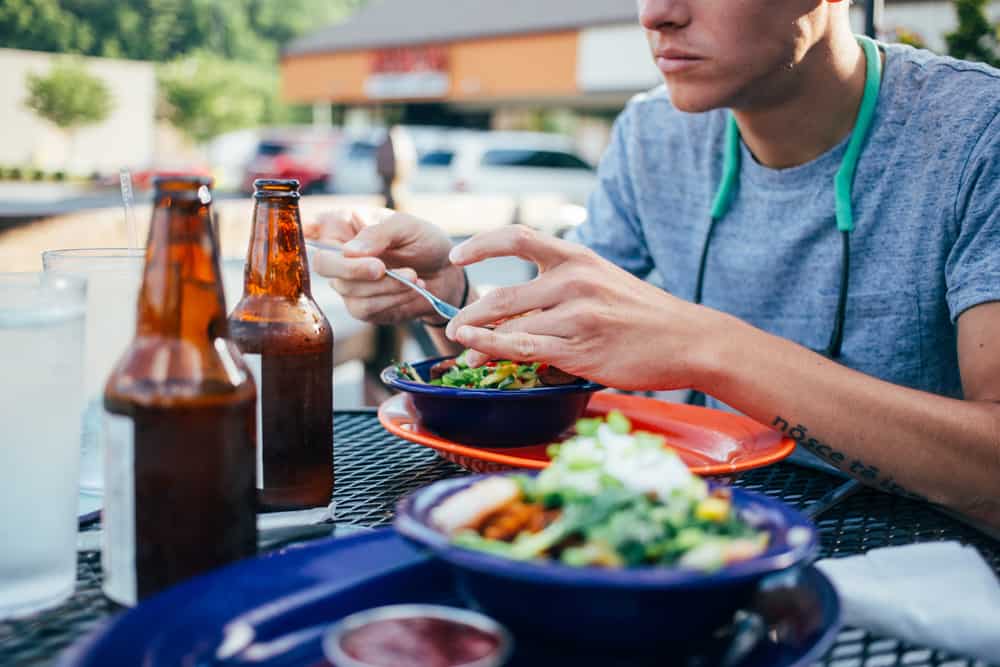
898, 383
395, 158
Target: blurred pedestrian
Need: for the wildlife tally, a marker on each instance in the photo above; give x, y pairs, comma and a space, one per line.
395, 159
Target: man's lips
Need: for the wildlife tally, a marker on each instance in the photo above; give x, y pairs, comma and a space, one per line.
670, 61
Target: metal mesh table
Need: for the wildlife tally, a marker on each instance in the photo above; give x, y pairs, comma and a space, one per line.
374, 469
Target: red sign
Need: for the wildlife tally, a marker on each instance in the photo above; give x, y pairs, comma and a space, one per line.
406, 59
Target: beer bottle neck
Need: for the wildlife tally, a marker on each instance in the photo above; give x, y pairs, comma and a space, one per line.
276, 259
181, 294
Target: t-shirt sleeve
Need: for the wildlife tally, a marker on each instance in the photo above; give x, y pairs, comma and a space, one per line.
612, 228
972, 270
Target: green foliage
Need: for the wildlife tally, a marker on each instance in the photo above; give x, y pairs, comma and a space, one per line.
68, 96
31, 174
162, 30
204, 95
220, 56
975, 38
904, 36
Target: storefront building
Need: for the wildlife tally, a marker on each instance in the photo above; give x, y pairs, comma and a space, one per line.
469, 54
474, 56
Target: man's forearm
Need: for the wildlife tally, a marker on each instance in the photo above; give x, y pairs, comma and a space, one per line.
890, 437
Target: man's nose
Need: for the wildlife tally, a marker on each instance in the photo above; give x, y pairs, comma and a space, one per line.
664, 14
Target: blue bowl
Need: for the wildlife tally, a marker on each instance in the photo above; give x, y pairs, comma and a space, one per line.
493, 417
639, 606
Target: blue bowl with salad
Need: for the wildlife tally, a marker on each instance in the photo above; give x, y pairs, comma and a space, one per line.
499, 404
615, 543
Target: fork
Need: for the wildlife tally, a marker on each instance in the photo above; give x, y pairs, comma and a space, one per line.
442, 308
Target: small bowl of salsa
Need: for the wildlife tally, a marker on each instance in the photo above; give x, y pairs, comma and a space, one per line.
417, 635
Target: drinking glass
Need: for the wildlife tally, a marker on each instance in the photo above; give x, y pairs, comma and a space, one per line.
113, 279
41, 396
232, 280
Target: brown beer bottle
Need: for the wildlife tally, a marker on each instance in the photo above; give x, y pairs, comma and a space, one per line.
179, 424
288, 344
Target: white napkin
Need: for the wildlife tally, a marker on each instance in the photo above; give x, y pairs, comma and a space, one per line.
270, 520
936, 594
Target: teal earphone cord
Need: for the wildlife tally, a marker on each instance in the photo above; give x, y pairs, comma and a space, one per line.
845, 174
843, 182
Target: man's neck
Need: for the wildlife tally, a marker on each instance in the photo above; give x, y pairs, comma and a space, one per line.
815, 111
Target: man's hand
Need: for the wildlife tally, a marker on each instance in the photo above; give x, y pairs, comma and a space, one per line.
584, 315
385, 239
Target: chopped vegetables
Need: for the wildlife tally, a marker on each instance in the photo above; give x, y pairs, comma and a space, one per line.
407, 373
491, 375
612, 497
501, 374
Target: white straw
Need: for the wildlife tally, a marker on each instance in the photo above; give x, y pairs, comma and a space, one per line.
127, 201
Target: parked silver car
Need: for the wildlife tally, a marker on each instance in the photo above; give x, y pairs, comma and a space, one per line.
507, 163
353, 167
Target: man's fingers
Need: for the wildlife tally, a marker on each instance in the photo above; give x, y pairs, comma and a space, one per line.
517, 346
363, 289
476, 359
548, 322
513, 241
340, 226
505, 302
399, 311
311, 230
387, 308
373, 240
334, 265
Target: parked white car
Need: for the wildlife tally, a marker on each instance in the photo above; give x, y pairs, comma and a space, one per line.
228, 156
353, 168
506, 163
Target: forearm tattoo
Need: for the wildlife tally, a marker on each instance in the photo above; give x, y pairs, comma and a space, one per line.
868, 474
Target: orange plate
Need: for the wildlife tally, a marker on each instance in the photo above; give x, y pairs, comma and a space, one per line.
711, 442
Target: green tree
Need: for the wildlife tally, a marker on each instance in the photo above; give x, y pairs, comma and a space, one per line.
975, 38
69, 96
164, 30
42, 25
204, 95
220, 56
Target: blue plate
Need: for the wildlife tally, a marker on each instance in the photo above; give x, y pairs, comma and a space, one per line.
493, 417
273, 610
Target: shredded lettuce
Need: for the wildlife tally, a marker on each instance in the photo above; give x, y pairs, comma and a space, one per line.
493, 375
625, 499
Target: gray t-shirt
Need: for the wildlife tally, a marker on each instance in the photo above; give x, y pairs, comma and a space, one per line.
926, 197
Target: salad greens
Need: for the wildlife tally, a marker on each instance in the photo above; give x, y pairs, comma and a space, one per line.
614, 497
492, 375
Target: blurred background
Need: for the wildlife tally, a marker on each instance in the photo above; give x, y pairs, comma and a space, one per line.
505, 108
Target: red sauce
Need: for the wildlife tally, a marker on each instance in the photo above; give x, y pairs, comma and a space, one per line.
418, 642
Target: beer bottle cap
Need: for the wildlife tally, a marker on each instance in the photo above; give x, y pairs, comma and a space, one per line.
276, 187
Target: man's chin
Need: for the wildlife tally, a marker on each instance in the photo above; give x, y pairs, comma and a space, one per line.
694, 99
